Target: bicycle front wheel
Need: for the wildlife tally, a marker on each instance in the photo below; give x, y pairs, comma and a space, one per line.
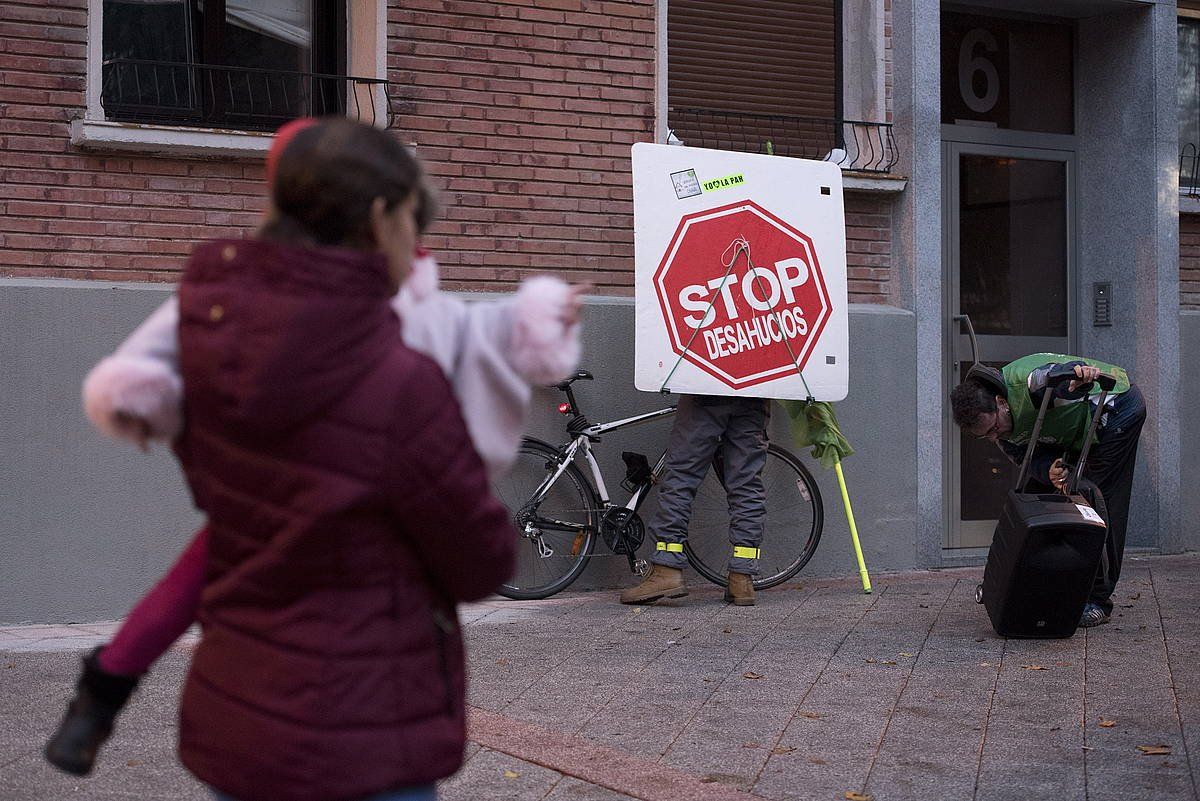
556, 525
792, 528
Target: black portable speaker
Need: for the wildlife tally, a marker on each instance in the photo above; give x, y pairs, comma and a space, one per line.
1048, 546
1042, 563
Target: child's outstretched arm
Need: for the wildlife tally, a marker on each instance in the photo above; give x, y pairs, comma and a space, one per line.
493, 352
136, 393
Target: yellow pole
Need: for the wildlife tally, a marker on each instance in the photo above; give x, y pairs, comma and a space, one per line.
862, 565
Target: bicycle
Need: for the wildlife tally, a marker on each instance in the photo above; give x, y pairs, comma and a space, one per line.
559, 514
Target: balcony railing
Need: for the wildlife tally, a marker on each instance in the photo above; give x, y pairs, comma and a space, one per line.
245, 98
852, 144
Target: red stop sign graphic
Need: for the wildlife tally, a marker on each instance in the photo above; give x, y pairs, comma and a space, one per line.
741, 294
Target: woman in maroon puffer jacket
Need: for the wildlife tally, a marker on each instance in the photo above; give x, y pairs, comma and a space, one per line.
348, 512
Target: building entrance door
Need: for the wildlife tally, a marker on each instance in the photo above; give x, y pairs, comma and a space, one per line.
1008, 233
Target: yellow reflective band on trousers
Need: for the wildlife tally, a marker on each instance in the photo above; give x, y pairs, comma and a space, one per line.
671, 547
742, 552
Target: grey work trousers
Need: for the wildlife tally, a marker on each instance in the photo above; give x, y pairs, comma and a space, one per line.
702, 425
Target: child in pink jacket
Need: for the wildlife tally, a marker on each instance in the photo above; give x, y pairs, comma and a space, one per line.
491, 352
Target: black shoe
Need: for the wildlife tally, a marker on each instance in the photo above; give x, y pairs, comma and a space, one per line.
99, 697
1093, 615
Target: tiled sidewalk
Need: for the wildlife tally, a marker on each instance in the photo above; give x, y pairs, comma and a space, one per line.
817, 693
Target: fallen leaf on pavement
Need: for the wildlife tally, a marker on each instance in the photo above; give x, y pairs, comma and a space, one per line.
511, 774
1105, 723
1034, 667
727, 631
810, 715
752, 675
502, 662
134, 763
869, 661
751, 745
1135, 596
902, 653
850, 795
817, 761
782, 749
1155, 750
887, 661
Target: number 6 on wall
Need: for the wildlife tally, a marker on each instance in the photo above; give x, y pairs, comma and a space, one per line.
969, 64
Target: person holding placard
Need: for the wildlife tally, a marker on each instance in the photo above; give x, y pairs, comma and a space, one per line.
704, 423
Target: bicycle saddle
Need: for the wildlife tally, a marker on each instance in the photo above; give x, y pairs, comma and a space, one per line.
582, 374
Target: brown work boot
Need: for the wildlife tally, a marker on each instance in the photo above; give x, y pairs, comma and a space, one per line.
661, 582
740, 591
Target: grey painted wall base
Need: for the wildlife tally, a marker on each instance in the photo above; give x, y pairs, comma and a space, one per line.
86, 526
1189, 438
878, 418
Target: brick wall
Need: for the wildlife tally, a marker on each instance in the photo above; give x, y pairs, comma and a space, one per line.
868, 246
64, 213
524, 112
1189, 261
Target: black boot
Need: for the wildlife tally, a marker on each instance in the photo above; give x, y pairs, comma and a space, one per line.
99, 697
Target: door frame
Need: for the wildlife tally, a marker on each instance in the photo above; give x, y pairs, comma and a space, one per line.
960, 140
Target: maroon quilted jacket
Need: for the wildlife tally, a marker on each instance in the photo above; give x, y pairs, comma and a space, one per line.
348, 513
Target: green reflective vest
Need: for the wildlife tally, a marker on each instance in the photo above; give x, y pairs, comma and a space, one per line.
1065, 426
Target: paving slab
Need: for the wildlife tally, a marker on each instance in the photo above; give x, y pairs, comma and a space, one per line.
819, 691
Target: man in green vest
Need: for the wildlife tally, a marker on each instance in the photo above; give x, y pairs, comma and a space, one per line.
1002, 406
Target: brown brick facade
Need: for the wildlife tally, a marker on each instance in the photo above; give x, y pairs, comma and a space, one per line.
524, 112
1189, 261
868, 246
69, 214
525, 116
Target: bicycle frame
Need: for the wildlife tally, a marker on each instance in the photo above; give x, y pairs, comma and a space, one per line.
582, 444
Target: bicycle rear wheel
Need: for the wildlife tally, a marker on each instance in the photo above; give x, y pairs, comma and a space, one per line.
556, 534
794, 518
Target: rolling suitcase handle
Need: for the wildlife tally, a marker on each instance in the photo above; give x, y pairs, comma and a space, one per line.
1059, 374
1106, 382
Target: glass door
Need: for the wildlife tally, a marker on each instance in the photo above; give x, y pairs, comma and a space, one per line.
1009, 253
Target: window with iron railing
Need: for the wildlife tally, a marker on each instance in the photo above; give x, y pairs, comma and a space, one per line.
851, 144
236, 64
765, 76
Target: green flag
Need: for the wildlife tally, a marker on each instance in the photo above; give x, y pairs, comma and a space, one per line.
815, 424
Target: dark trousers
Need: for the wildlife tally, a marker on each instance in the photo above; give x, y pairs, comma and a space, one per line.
702, 424
1110, 465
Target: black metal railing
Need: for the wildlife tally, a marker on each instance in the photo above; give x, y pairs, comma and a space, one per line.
853, 144
211, 95
1189, 170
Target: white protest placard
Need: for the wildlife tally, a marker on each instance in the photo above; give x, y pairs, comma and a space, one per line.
740, 283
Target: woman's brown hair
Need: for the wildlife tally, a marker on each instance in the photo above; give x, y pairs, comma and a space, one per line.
328, 175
